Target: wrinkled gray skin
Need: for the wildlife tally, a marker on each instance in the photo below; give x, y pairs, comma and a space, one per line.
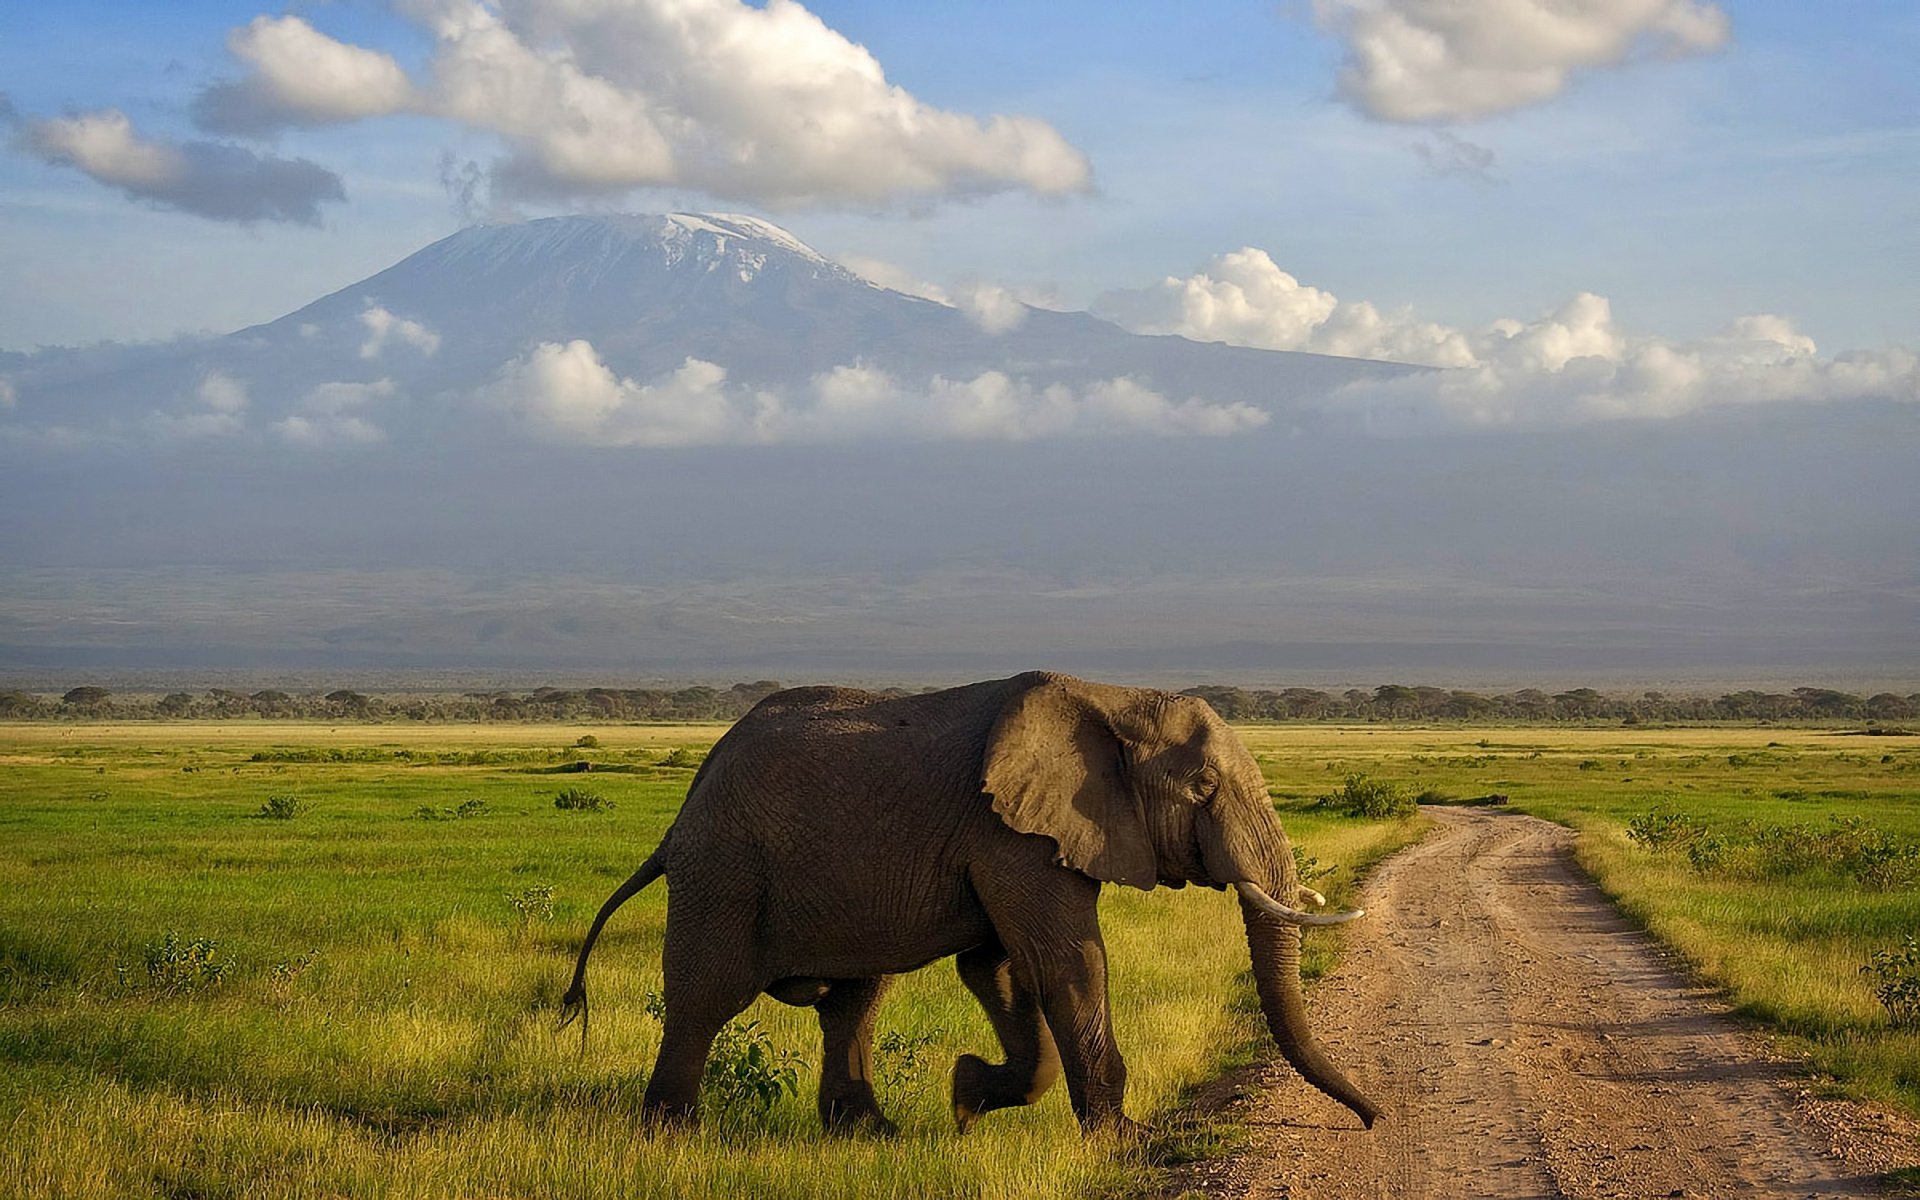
836, 838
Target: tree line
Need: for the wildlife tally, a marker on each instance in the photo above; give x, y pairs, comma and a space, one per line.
1387, 702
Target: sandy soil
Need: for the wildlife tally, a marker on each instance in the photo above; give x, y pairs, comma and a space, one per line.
1528, 1042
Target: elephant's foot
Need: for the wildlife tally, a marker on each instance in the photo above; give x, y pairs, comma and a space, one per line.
1121, 1128
972, 1087
857, 1118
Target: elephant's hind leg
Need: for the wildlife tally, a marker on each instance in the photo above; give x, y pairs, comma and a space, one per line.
1033, 1062
847, 1012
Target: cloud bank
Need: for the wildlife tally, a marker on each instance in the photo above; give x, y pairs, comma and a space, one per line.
216, 180
564, 393
1571, 366
766, 104
1457, 60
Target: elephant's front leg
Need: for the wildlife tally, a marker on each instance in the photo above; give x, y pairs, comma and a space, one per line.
1048, 921
847, 1013
1033, 1063
1073, 995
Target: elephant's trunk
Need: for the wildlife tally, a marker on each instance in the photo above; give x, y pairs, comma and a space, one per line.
1275, 946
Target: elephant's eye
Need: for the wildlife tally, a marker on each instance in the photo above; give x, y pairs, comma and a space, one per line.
1205, 784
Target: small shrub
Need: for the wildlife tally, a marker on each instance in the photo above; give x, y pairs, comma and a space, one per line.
282, 974
473, 807
587, 741
175, 966
533, 903
283, 807
1306, 867
904, 1063
679, 756
1662, 827
744, 1068
1374, 799
581, 800
1707, 852
1432, 796
747, 1071
1896, 982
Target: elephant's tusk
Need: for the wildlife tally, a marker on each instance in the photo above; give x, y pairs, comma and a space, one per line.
1312, 897
1294, 916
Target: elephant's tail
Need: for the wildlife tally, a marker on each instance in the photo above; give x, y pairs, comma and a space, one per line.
574, 1003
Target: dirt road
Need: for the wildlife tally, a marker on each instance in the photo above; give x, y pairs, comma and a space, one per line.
1528, 1042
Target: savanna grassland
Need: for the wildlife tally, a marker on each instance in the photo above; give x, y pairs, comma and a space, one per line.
282, 959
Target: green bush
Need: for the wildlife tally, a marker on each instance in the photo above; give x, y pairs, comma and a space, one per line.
679, 756
745, 1070
283, 807
533, 903
1662, 827
1851, 847
1374, 799
1896, 975
175, 965
905, 1063
1307, 868
581, 800
473, 807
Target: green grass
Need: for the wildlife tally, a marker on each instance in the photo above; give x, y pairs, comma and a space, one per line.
358, 998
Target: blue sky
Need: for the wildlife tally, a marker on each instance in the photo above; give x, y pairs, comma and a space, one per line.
1771, 171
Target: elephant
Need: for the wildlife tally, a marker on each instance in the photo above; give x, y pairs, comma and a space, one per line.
835, 838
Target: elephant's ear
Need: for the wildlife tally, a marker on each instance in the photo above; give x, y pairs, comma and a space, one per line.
1054, 766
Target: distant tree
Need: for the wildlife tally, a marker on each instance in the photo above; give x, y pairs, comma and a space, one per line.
270, 703
1885, 706
85, 696
1395, 701
18, 704
175, 704
1825, 702
753, 693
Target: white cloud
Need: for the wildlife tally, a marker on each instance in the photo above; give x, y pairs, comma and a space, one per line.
1571, 366
993, 308
333, 414
565, 393
1246, 299
763, 103
9, 395
1576, 366
1449, 60
222, 392
990, 306
216, 180
301, 76
222, 407
382, 326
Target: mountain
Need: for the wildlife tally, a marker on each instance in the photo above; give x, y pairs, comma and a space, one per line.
647, 292
495, 456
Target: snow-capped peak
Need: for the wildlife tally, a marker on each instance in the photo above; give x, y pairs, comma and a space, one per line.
713, 243
751, 228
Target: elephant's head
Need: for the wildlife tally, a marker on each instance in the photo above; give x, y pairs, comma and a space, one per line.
1143, 788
